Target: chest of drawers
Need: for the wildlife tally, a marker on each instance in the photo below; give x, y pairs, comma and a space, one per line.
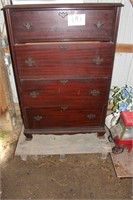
63, 60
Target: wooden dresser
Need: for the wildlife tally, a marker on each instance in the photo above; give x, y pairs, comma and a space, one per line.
63, 59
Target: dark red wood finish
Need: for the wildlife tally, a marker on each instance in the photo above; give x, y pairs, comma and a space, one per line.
54, 26
64, 116
69, 60
64, 92
62, 72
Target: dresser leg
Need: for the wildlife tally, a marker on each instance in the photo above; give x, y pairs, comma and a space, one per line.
104, 155
23, 157
100, 135
28, 136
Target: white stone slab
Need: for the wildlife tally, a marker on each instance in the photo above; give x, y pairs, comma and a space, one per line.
62, 144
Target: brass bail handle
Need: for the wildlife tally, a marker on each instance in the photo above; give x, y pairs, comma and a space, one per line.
30, 62
91, 116
98, 60
63, 108
95, 92
27, 25
34, 94
38, 118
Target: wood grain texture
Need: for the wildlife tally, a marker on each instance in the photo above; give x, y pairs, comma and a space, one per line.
53, 27
79, 59
64, 92
124, 48
57, 117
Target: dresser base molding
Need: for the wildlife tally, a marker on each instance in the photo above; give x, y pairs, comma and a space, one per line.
60, 131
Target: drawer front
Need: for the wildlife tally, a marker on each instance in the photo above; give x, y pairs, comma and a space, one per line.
69, 60
58, 117
58, 25
64, 92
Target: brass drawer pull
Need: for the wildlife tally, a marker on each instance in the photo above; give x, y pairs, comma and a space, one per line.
91, 116
95, 93
63, 14
98, 60
27, 25
99, 24
63, 47
34, 94
38, 118
64, 81
64, 108
29, 62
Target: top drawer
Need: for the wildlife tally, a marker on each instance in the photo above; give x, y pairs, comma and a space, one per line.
63, 24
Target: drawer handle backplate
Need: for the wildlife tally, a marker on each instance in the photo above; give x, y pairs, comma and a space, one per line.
63, 14
95, 92
34, 94
99, 24
30, 62
64, 81
98, 60
63, 47
27, 25
91, 116
64, 108
38, 118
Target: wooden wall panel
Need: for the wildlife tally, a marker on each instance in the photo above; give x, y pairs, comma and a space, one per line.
124, 48
3, 101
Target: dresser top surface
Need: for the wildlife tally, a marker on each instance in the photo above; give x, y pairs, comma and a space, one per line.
64, 6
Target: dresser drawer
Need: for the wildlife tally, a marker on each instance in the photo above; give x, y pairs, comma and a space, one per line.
63, 24
64, 91
69, 60
63, 116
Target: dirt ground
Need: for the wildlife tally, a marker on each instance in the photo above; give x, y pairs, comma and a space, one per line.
84, 176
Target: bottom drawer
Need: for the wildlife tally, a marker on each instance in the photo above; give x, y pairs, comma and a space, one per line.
58, 117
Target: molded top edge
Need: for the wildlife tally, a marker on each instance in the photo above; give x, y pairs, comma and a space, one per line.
62, 6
